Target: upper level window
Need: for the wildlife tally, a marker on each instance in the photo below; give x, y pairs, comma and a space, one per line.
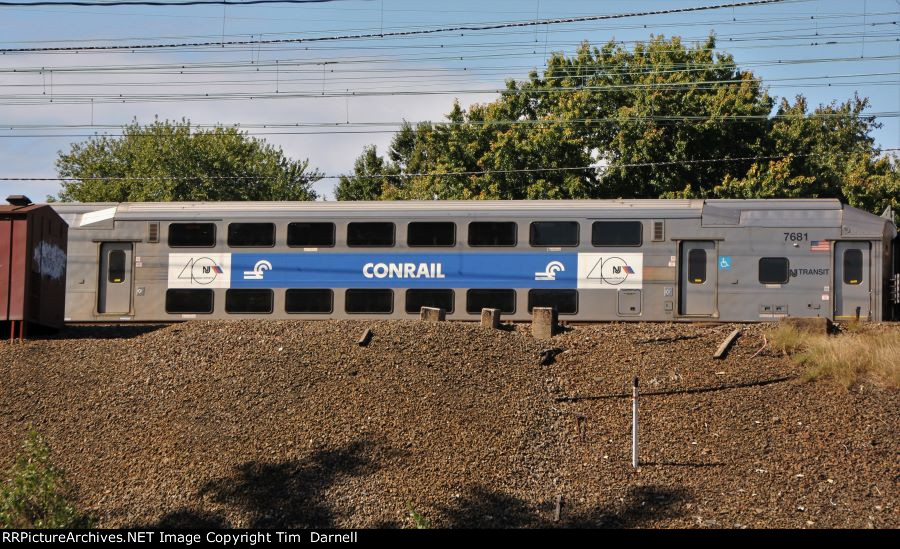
192, 235
774, 270
431, 233
370, 234
853, 267
554, 233
247, 235
492, 233
302, 234
697, 266
617, 233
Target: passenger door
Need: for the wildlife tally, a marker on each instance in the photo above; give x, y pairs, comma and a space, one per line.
851, 280
114, 295
697, 278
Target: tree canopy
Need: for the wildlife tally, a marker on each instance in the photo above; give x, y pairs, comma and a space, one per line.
659, 120
171, 161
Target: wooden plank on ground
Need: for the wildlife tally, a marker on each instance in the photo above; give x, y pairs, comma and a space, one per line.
723, 348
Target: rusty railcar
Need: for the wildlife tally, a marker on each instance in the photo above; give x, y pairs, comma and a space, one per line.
33, 245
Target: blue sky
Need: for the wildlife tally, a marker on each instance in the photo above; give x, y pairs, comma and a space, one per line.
855, 44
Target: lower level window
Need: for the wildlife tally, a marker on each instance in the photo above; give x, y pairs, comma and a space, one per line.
564, 301
505, 300
416, 299
308, 301
369, 301
189, 301
248, 301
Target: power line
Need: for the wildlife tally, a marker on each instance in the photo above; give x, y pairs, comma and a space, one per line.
444, 174
450, 123
458, 28
172, 3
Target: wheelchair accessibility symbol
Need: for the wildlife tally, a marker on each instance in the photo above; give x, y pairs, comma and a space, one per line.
725, 262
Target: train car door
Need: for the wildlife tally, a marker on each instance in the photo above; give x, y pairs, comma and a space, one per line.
698, 278
114, 296
852, 297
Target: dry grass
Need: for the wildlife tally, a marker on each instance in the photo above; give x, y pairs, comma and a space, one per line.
786, 338
859, 354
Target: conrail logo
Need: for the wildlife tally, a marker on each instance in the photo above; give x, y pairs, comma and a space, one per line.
403, 270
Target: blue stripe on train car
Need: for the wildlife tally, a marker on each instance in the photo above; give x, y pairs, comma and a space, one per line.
404, 270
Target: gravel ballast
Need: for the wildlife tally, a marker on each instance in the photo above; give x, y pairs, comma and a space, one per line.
293, 424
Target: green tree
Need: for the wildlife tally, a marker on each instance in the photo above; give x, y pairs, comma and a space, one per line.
610, 122
370, 174
171, 161
35, 494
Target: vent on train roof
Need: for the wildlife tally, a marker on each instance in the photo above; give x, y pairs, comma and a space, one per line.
153, 232
659, 231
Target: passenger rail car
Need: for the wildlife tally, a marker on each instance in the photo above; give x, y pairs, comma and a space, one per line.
592, 260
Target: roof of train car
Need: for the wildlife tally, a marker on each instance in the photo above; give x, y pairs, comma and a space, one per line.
811, 212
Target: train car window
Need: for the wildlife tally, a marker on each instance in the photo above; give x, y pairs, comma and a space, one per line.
370, 234
369, 301
416, 299
116, 266
505, 300
248, 301
310, 234
617, 233
308, 301
427, 233
192, 235
554, 233
853, 267
189, 301
492, 233
697, 266
251, 235
564, 301
774, 270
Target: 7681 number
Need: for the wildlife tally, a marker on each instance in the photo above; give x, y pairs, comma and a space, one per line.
796, 237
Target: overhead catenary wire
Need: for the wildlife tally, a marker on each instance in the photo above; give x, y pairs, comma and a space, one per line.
393, 34
440, 174
157, 3
769, 21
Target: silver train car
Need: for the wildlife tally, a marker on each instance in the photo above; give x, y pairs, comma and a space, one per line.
592, 260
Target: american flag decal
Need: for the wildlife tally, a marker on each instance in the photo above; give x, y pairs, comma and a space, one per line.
819, 246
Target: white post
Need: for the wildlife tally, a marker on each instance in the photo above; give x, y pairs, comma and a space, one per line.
634, 423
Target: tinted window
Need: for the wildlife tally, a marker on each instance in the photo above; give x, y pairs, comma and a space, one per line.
117, 266
697, 266
617, 233
308, 301
369, 301
370, 234
248, 301
492, 233
242, 235
310, 234
774, 270
416, 299
554, 233
564, 301
853, 267
192, 235
422, 233
189, 301
505, 300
